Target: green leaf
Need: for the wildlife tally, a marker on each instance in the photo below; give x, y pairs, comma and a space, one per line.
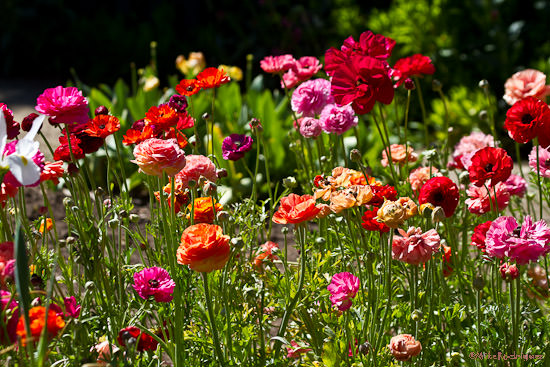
331, 357
22, 279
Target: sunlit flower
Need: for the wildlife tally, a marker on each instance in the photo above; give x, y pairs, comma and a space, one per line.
440, 191
277, 64
467, 147
102, 126
188, 87
63, 105
235, 146
415, 65
481, 201
151, 82
104, 351
37, 322
234, 72
399, 155
132, 334
525, 83
266, 252
212, 78
154, 282
203, 247
295, 209
516, 185
338, 120
155, 156
12, 127
309, 127
311, 97
204, 211
371, 224
479, 236
492, 164
306, 67
192, 65
343, 288
197, 166
543, 161
52, 172
46, 225
403, 347
414, 246
419, 176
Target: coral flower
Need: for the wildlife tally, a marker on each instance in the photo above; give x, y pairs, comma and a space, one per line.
197, 166
481, 201
235, 146
343, 288
415, 65
480, 234
104, 350
10, 313
525, 83
154, 282
362, 81
37, 318
419, 176
144, 341
415, 247
266, 252
203, 248
181, 195
492, 164
354, 195
295, 209
212, 78
520, 243
371, 224
52, 172
527, 119
63, 105
311, 97
399, 155
203, 211
155, 156
403, 347
543, 161
277, 64
338, 120
162, 117
188, 87
440, 191
102, 126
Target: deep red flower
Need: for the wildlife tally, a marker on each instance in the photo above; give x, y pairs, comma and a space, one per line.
188, 87
212, 78
186, 121
382, 192
490, 164
527, 119
415, 65
371, 224
362, 81
144, 341
102, 126
12, 126
63, 152
440, 191
479, 235
89, 144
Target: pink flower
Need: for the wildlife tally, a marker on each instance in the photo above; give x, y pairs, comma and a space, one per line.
307, 66
8, 308
309, 127
63, 105
290, 80
516, 185
295, 350
525, 83
399, 155
343, 288
467, 147
415, 247
311, 97
478, 198
277, 64
104, 350
72, 309
154, 282
155, 156
197, 166
544, 161
338, 120
522, 244
420, 175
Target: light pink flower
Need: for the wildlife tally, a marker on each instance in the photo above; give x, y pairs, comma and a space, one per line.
399, 155
309, 127
290, 80
516, 185
544, 161
311, 97
505, 238
277, 64
468, 146
525, 83
343, 288
104, 350
155, 156
478, 198
197, 166
415, 247
338, 120
63, 105
420, 175
295, 350
154, 282
307, 66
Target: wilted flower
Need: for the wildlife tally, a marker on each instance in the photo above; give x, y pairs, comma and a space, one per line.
343, 288
392, 214
154, 282
235, 146
414, 246
104, 350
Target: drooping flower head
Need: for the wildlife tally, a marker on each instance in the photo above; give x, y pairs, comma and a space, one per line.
37, 318
414, 246
63, 105
311, 97
337, 120
525, 83
203, 247
492, 164
155, 156
527, 119
295, 209
481, 201
195, 167
415, 65
235, 146
403, 347
343, 288
440, 191
543, 161
154, 282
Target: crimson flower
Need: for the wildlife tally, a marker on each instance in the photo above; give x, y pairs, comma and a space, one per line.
490, 164
381, 193
415, 65
371, 224
132, 334
527, 119
480, 234
362, 81
440, 191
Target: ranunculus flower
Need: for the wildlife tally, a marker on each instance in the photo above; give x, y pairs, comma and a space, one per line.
104, 350
181, 197
525, 83
235, 146
144, 341
277, 64
509, 271
527, 119
295, 209
295, 350
415, 65
343, 288
306, 67
414, 246
440, 191
480, 234
155, 156
8, 306
289, 80
309, 127
195, 167
516, 185
391, 213
12, 127
403, 347
351, 196
371, 224
543, 161
311, 97
338, 119
212, 78
382, 193
37, 317
63, 105
492, 164
203, 247
265, 252
399, 155
102, 126
479, 202
154, 282
52, 172
419, 176
188, 87
466, 148
203, 211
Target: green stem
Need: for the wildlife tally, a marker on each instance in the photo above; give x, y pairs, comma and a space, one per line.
538, 178
423, 108
215, 338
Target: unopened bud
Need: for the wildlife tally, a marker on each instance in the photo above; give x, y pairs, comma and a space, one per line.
289, 182
192, 184
409, 84
509, 272
417, 315
364, 348
206, 116
483, 83
320, 240
134, 218
284, 230
210, 188
355, 156
70, 240
483, 115
221, 173
113, 223
101, 110
222, 216
426, 210
436, 85
438, 214
123, 213
237, 242
68, 201
478, 283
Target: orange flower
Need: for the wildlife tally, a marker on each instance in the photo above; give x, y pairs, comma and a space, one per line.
295, 209
49, 225
411, 209
204, 210
188, 87
203, 247
212, 78
102, 126
181, 195
134, 136
357, 195
163, 117
447, 261
37, 317
265, 252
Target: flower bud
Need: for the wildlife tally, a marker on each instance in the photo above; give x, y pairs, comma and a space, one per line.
478, 283
221, 173
483, 115
89, 285
37, 282
426, 210
70, 240
284, 230
206, 116
417, 315
237, 242
210, 188
436, 85
355, 156
409, 84
192, 184
483, 83
364, 348
289, 182
509, 272
123, 213
113, 223
222, 216
134, 218
101, 110
438, 214
320, 240
68, 201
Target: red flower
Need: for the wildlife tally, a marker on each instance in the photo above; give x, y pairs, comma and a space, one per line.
265, 253
136, 136
480, 232
162, 117
490, 164
188, 87
362, 81
102, 126
212, 78
144, 341
415, 65
371, 224
63, 153
382, 192
447, 261
440, 191
295, 209
527, 119
11, 125
186, 121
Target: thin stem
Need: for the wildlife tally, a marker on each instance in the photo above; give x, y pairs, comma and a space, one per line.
423, 108
217, 345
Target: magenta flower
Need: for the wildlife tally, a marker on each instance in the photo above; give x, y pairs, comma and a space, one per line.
343, 288
544, 161
235, 146
311, 97
338, 120
309, 127
295, 350
63, 105
72, 309
516, 185
415, 247
154, 282
505, 238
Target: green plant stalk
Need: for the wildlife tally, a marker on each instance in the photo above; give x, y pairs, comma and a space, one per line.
260, 137
388, 290
538, 177
446, 150
423, 109
213, 122
214, 330
386, 148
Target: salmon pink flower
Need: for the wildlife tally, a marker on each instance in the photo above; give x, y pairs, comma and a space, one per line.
420, 175
479, 236
442, 192
311, 97
343, 288
527, 119
235, 146
197, 166
155, 156
63, 105
525, 83
479, 202
414, 246
104, 350
543, 161
403, 347
492, 164
399, 155
295, 209
415, 65
338, 120
277, 64
154, 282
203, 248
